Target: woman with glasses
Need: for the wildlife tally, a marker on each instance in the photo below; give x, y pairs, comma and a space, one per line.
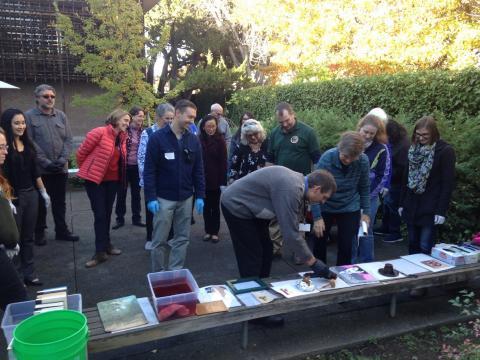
350, 167
11, 287
23, 174
215, 166
236, 138
251, 153
428, 184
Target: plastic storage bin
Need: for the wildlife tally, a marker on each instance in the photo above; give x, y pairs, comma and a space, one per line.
174, 293
17, 312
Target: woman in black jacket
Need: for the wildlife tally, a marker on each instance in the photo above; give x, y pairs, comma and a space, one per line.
427, 185
11, 287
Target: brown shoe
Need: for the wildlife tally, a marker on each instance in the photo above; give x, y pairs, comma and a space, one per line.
96, 259
113, 250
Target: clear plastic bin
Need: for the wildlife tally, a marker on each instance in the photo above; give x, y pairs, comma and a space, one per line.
174, 293
15, 313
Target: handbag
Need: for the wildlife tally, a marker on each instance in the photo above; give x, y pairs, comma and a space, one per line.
9, 235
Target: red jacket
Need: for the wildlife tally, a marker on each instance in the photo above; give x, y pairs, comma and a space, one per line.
94, 154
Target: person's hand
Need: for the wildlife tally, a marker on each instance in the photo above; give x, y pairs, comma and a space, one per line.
199, 204
11, 253
12, 207
400, 211
153, 206
319, 227
320, 269
365, 218
439, 220
384, 192
45, 197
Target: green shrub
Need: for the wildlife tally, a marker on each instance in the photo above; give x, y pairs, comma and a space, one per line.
331, 107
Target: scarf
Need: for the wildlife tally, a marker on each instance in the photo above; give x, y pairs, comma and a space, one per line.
420, 161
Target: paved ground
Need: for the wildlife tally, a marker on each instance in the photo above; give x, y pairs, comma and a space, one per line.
60, 263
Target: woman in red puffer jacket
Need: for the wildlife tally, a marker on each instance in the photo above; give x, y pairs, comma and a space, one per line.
101, 159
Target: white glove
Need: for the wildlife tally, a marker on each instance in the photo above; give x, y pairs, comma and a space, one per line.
45, 197
439, 220
384, 192
400, 211
14, 209
12, 252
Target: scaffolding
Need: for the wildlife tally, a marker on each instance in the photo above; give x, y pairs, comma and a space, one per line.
31, 47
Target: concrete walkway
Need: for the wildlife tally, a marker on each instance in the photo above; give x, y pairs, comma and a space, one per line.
332, 327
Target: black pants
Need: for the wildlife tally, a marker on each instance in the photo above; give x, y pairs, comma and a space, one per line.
56, 185
211, 212
149, 222
102, 197
121, 206
27, 207
11, 286
251, 243
347, 224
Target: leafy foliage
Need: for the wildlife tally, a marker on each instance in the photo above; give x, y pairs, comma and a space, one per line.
111, 51
334, 106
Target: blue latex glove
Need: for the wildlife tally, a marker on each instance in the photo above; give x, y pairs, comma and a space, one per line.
153, 206
199, 206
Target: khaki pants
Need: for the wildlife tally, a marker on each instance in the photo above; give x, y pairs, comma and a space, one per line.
275, 236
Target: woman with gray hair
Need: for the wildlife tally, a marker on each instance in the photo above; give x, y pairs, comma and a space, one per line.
251, 154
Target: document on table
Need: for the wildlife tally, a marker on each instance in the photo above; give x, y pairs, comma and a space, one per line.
428, 262
288, 288
216, 293
406, 267
245, 285
248, 299
373, 267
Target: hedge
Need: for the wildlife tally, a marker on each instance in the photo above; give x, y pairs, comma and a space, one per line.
334, 106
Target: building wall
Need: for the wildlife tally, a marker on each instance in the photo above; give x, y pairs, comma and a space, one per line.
81, 118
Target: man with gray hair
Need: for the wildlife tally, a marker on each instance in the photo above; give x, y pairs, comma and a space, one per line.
50, 132
163, 116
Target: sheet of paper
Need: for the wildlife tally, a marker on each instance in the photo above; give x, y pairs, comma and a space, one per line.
147, 311
427, 262
218, 292
407, 267
248, 299
265, 296
373, 268
320, 283
246, 285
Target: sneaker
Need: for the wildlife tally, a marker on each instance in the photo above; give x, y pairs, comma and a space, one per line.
113, 250
148, 245
392, 238
66, 237
96, 259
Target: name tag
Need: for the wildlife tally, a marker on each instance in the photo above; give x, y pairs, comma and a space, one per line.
304, 227
170, 156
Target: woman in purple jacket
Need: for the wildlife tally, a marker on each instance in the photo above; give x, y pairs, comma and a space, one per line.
372, 129
215, 165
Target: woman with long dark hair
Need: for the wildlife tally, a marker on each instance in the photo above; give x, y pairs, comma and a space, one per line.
11, 287
215, 165
102, 162
427, 185
22, 173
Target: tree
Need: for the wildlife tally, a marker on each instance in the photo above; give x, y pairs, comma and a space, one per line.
111, 48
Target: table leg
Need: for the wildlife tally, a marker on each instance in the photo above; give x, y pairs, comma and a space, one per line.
244, 335
393, 305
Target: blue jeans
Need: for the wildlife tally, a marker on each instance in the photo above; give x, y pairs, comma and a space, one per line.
170, 255
366, 245
421, 238
391, 220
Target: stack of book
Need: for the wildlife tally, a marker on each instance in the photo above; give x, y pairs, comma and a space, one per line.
51, 299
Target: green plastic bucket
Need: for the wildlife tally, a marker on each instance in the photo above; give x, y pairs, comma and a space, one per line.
59, 335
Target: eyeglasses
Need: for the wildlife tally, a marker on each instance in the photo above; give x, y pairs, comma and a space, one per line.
422, 136
188, 155
4, 147
48, 96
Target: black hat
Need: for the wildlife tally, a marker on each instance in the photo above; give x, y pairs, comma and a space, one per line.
388, 270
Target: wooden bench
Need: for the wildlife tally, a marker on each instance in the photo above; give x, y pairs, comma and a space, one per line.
100, 341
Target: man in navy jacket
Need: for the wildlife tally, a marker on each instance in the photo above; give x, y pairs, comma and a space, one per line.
173, 173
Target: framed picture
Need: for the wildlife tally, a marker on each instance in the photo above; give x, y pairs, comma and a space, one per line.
241, 286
